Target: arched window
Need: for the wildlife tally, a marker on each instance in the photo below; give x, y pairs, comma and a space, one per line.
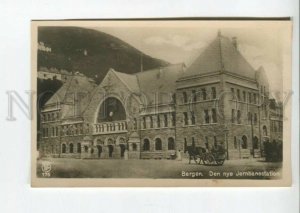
78, 147
265, 131
111, 110
158, 144
86, 148
134, 147
171, 144
63, 148
146, 145
255, 142
244, 142
71, 148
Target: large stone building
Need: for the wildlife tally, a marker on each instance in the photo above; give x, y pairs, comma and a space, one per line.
219, 99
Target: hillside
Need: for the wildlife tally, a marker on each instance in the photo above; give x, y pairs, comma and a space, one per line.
90, 52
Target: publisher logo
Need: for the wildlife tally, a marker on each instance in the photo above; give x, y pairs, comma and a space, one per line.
46, 169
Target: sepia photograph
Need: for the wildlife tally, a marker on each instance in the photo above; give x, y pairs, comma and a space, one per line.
161, 103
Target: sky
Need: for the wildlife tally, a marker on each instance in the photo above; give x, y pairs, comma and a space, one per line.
261, 44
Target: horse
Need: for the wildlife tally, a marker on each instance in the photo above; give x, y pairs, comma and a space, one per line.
195, 152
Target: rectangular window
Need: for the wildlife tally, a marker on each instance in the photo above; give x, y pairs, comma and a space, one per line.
204, 93
206, 116
185, 99
232, 93
244, 96
174, 98
173, 118
238, 94
235, 143
194, 95
166, 120
213, 92
193, 119
249, 117
206, 142
238, 116
144, 122
151, 122
135, 123
233, 115
254, 98
193, 142
158, 121
255, 118
250, 97
214, 116
185, 115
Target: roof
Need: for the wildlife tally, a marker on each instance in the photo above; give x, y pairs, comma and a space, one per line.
161, 80
129, 80
75, 88
221, 55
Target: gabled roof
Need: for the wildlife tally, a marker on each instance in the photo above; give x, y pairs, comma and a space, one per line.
221, 55
76, 84
160, 80
129, 80
74, 90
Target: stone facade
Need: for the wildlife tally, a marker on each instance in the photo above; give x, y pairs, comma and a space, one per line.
125, 118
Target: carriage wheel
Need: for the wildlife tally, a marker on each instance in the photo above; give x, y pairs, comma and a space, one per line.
209, 159
220, 162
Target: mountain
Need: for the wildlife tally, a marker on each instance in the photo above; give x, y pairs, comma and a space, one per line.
90, 52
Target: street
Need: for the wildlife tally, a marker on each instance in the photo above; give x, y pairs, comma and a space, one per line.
112, 168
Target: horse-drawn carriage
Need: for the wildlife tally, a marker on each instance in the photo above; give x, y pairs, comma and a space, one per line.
215, 156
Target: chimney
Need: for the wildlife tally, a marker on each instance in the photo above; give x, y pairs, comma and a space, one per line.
234, 42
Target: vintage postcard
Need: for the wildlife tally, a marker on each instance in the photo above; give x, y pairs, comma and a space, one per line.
161, 103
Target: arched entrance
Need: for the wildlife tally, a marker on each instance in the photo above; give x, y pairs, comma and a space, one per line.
244, 142
110, 151
122, 150
99, 148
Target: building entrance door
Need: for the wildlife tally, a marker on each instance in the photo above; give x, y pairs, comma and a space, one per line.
122, 149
